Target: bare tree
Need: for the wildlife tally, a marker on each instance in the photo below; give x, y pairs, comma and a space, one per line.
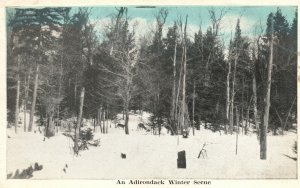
256, 56
173, 106
264, 125
183, 108
217, 18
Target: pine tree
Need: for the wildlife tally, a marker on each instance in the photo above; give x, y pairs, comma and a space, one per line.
33, 37
283, 94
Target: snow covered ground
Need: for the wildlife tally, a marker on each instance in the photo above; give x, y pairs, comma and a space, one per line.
151, 156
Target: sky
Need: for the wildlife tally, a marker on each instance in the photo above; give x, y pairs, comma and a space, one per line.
144, 18
197, 13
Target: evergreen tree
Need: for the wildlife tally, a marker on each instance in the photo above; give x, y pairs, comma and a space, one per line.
283, 92
34, 35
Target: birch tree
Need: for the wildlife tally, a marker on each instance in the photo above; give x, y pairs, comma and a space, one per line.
124, 53
264, 125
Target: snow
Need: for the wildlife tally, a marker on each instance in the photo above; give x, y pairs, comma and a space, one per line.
151, 156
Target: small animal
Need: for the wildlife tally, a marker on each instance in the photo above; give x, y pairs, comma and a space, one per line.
64, 170
123, 156
141, 126
120, 125
66, 166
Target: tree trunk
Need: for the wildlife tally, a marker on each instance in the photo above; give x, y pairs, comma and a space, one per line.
193, 109
248, 117
127, 97
228, 93
104, 124
75, 94
232, 96
288, 114
105, 120
26, 83
183, 103
237, 130
237, 120
97, 120
255, 104
126, 117
100, 119
94, 123
17, 97
26, 98
183, 96
109, 117
242, 105
174, 88
50, 127
158, 111
77, 129
177, 111
199, 125
24, 102
264, 126
24, 112
123, 117
59, 90
36, 82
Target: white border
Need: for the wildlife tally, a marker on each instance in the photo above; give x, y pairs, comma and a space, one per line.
112, 183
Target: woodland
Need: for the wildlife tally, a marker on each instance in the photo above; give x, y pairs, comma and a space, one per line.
62, 72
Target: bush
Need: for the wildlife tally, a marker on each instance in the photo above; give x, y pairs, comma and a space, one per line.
155, 121
86, 134
49, 132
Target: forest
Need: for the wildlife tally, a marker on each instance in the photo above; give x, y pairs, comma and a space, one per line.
64, 74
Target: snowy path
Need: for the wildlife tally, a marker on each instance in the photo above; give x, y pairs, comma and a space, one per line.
152, 156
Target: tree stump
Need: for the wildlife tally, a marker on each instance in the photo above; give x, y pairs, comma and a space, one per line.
50, 129
184, 134
123, 156
181, 160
